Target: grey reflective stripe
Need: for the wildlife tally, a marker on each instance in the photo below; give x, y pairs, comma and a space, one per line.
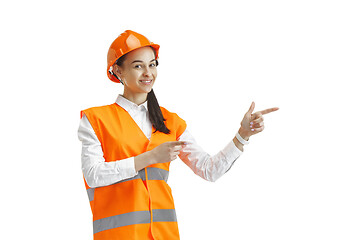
128, 179
90, 193
121, 220
138, 217
141, 174
157, 174
164, 215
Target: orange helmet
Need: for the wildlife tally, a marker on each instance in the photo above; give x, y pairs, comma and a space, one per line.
124, 43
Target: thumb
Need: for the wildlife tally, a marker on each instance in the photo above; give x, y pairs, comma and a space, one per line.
251, 109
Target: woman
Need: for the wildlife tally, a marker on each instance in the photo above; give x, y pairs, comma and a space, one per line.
127, 148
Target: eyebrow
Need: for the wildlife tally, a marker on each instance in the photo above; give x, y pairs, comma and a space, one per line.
142, 61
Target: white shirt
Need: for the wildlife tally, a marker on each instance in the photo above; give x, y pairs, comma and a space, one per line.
99, 173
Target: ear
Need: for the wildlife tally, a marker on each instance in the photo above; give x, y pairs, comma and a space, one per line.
117, 70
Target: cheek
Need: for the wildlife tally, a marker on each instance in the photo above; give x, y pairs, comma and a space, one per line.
155, 73
133, 76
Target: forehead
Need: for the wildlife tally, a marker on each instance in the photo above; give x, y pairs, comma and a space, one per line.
143, 53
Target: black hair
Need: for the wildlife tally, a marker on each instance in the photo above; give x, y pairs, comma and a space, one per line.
156, 117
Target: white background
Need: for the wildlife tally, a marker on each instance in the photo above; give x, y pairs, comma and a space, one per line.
298, 179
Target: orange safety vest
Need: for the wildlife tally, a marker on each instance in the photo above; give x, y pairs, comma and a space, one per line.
141, 207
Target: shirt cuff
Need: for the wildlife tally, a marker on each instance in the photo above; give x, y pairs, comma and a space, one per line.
231, 151
126, 167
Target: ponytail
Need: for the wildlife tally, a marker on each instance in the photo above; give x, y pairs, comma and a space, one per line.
155, 114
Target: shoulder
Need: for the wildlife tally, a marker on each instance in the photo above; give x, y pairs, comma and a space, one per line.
173, 117
174, 120
170, 114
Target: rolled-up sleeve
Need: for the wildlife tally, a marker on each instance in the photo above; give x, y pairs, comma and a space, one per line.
203, 164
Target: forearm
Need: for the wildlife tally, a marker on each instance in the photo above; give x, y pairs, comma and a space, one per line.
203, 164
99, 173
143, 160
104, 173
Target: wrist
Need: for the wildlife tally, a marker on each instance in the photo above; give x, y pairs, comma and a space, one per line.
143, 160
238, 144
151, 157
243, 134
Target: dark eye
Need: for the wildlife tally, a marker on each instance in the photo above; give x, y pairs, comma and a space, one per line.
155, 64
137, 66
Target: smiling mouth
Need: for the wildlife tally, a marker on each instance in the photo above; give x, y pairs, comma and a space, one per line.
146, 81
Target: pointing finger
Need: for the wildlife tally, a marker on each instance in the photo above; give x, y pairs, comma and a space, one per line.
269, 110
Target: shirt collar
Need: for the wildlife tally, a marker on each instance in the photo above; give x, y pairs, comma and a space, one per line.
129, 105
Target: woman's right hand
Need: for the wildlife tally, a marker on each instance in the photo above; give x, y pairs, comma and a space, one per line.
167, 151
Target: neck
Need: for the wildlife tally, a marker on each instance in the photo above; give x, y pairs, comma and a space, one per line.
137, 98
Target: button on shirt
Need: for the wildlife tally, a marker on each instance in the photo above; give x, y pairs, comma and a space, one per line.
99, 173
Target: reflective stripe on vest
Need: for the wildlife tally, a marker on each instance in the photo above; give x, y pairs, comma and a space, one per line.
153, 174
159, 215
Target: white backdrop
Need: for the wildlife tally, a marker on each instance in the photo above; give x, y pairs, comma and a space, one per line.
298, 179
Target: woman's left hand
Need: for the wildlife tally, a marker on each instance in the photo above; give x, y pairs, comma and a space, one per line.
253, 123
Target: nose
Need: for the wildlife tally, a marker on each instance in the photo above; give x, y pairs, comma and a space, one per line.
147, 71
